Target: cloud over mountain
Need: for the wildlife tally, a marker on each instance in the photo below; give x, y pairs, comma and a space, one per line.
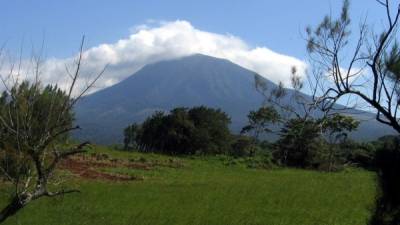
168, 40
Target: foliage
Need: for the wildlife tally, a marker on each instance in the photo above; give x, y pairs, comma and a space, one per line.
28, 105
299, 144
309, 136
336, 128
34, 124
130, 134
258, 121
357, 154
12, 164
150, 134
243, 146
186, 131
211, 133
387, 207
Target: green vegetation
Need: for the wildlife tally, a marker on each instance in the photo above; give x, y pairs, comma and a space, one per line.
218, 178
305, 142
259, 120
182, 131
35, 122
205, 190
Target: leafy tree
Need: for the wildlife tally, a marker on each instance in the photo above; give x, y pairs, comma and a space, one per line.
338, 125
35, 122
186, 131
260, 120
298, 144
301, 142
336, 128
212, 134
130, 135
178, 130
150, 134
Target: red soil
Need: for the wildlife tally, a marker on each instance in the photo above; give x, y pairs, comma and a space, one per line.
88, 170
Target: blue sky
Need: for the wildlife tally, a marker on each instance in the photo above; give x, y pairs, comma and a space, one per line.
265, 36
275, 24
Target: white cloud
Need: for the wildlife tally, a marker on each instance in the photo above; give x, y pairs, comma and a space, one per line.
168, 40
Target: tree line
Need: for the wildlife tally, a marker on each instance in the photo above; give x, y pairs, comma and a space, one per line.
304, 143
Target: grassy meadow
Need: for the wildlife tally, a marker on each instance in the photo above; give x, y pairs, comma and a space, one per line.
203, 190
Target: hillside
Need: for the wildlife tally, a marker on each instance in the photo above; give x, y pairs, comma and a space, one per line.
190, 81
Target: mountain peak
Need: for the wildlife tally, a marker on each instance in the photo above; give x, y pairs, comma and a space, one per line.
196, 59
188, 81
201, 56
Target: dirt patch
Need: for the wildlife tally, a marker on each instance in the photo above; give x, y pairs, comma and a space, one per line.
90, 166
89, 170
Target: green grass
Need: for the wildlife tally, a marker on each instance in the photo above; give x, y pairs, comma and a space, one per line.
205, 191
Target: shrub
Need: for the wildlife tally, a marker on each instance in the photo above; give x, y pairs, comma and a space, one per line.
243, 146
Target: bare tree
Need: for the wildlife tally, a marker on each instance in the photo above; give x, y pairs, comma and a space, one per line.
364, 68
34, 121
291, 102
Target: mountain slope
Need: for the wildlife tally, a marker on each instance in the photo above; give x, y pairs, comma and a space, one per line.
190, 81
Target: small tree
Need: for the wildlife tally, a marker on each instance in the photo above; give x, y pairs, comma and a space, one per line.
336, 127
130, 136
298, 144
260, 120
303, 134
35, 122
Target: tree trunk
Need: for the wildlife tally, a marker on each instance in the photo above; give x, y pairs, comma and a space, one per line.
13, 207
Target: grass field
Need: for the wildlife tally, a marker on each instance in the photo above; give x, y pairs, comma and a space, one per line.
206, 191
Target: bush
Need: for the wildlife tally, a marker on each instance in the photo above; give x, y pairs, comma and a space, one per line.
243, 146
363, 156
259, 161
